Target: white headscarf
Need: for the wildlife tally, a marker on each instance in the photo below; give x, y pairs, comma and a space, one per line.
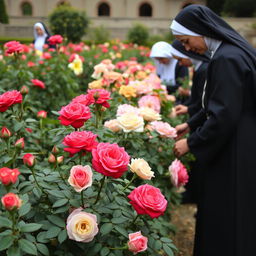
166, 71
39, 40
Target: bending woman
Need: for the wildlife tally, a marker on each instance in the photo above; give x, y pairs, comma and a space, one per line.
224, 139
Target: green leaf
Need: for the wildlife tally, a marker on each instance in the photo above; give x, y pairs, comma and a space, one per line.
56, 193
6, 233
41, 237
94, 250
119, 220
37, 192
104, 251
56, 220
13, 251
30, 227
24, 209
106, 228
121, 230
62, 236
4, 222
166, 240
52, 232
168, 250
60, 202
43, 249
6, 242
27, 247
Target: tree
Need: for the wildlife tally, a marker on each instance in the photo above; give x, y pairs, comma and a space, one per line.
215, 5
68, 22
240, 8
138, 34
3, 15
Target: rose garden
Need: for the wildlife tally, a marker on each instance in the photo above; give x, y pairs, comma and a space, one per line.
86, 159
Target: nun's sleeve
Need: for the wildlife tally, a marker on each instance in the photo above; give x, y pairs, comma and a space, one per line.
225, 99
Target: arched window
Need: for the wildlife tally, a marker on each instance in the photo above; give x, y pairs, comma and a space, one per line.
26, 9
145, 10
103, 9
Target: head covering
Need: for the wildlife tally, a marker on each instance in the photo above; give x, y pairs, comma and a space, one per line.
165, 71
203, 21
40, 40
177, 45
178, 29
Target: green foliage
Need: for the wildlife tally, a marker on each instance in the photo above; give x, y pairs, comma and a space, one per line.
69, 23
138, 34
3, 14
22, 40
99, 35
215, 5
239, 8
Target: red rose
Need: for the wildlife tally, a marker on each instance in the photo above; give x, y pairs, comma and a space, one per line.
148, 200
85, 99
56, 39
42, 114
101, 96
5, 133
38, 83
8, 176
11, 201
13, 47
110, 160
29, 160
80, 141
74, 114
20, 143
9, 98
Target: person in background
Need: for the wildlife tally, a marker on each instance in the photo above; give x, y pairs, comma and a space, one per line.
41, 36
224, 134
168, 68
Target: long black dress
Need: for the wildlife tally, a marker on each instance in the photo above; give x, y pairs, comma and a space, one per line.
224, 141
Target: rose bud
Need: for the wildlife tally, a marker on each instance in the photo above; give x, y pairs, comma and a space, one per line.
51, 158
55, 150
5, 133
29, 160
11, 201
42, 114
60, 159
137, 242
24, 90
20, 143
8, 176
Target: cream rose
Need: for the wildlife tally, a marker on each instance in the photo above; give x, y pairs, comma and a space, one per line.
131, 122
112, 125
96, 84
149, 114
82, 226
141, 168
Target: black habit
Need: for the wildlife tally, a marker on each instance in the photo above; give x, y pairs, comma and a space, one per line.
224, 141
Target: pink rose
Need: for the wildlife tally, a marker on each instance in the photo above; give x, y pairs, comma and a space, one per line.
80, 177
164, 129
137, 242
42, 114
9, 98
11, 201
80, 141
126, 108
56, 39
38, 83
20, 143
150, 102
74, 114
29, 160
148, 200
178, 173
85, 99
110, 160
82, 226
101, 96
13, 47
8, 176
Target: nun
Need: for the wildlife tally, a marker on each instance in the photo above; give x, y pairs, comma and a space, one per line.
168, 68
191, 107
200, 64
224, 137
41, 36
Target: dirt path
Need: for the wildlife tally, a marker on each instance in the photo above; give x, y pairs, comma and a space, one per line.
183, 219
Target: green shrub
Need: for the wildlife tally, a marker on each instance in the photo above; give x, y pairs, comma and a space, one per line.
138, 34
99, 35
3, 15
68, 22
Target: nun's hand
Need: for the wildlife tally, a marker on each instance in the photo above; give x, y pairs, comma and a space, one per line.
181, 130
181, 109
180, 147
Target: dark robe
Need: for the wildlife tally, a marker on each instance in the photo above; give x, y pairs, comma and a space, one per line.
225, 142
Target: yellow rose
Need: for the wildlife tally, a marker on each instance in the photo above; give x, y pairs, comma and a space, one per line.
76, 65
141, 168
82, 226
141, 75
131, 122
149, 114
127, 91
97, 84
